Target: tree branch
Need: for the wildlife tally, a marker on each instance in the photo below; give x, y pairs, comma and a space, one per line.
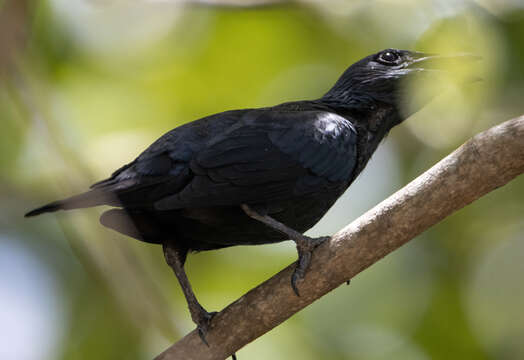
484, 163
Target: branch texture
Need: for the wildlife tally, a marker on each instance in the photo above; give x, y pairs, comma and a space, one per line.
484, 163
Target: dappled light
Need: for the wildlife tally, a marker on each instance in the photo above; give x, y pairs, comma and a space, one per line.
85, 86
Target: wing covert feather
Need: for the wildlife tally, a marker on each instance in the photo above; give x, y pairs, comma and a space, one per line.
269, 156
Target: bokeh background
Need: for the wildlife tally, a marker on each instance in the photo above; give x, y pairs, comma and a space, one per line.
86, 85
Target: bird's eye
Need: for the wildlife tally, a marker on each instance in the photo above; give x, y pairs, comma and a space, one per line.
388, 57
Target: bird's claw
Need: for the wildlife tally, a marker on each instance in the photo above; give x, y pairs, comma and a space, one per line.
305, 249
203, 322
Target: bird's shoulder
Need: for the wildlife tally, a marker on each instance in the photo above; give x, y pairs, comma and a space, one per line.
306, 125
302, 134
312, 118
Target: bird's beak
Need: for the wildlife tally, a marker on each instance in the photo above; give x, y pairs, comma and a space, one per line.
428, 74
441, 62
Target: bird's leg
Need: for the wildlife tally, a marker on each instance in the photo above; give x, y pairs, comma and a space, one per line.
175, 258
305, 244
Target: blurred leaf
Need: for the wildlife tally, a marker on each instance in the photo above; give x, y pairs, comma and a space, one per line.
95, 82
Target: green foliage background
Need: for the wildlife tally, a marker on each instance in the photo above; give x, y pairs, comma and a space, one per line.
87, 85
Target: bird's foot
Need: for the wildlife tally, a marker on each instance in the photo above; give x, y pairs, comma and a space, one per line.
202, 319
203, 325
305, 247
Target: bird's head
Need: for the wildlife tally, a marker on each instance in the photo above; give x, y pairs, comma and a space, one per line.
380, 79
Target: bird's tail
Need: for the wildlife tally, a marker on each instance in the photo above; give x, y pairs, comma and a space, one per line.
90, 198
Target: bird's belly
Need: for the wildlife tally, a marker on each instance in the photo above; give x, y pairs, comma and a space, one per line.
212, 228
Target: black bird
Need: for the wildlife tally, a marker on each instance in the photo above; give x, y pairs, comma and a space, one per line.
256, 176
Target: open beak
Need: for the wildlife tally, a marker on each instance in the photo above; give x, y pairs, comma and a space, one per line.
456, 65
441, 62
433, 71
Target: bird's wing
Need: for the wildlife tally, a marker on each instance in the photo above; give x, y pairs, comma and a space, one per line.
269, 156
163, 168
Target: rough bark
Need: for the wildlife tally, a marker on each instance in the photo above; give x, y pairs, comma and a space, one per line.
484, 163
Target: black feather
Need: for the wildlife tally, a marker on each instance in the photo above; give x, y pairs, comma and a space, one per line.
293, 160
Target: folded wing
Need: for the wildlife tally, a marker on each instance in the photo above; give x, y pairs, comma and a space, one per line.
269, 156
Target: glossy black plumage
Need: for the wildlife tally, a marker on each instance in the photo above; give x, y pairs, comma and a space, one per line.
292, 161
202, 185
